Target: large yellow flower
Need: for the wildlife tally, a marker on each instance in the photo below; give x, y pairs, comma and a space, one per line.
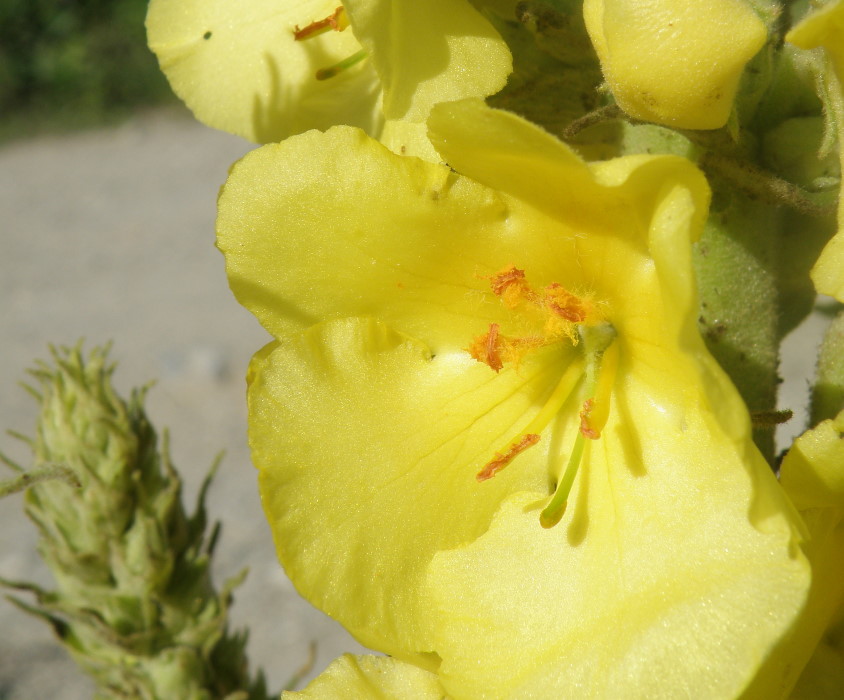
825, 28
265, 69
674, 62
522, 316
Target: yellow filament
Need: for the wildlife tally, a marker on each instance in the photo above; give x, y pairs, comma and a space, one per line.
552, 406
600, 409
558, 397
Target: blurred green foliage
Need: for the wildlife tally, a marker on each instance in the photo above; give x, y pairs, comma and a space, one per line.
66, 64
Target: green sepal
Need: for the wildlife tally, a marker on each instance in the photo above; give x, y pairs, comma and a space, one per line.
736, 267
555, 69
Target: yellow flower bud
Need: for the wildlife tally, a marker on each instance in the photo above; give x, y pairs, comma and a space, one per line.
674, 63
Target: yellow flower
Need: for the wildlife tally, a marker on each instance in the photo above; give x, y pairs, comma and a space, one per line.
812, 654
674, 62
825, 28
371, 678
265, 69
528, 318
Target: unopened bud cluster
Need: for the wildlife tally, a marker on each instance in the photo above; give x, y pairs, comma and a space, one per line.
134, 602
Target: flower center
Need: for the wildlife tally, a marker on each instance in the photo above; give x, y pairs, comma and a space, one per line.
565, 317
337, 21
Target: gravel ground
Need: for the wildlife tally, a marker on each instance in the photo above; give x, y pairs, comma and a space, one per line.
109, 236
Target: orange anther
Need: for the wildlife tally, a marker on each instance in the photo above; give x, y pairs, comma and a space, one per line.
494, 349
510, 284
585, 426
485, 348
506, 277
565, 304
501, 460
336, 21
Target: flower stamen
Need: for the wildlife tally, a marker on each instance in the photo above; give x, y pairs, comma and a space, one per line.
494, 349
336, 21
552, 407
596, 410
510, 284
337, 68
554, 511
565, 316
502, 459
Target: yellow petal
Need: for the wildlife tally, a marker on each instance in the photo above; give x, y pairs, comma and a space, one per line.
674, 62
823, 27
643, 592
370, 678
408, 139
674, 572
509, 154
238, 67
367, 449
334, 225
429, 52
828, 272
813, 470
812, 474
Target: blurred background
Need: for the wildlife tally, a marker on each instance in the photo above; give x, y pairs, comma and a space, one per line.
107, 206
70, 64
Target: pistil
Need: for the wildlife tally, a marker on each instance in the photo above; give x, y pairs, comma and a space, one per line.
601, 365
